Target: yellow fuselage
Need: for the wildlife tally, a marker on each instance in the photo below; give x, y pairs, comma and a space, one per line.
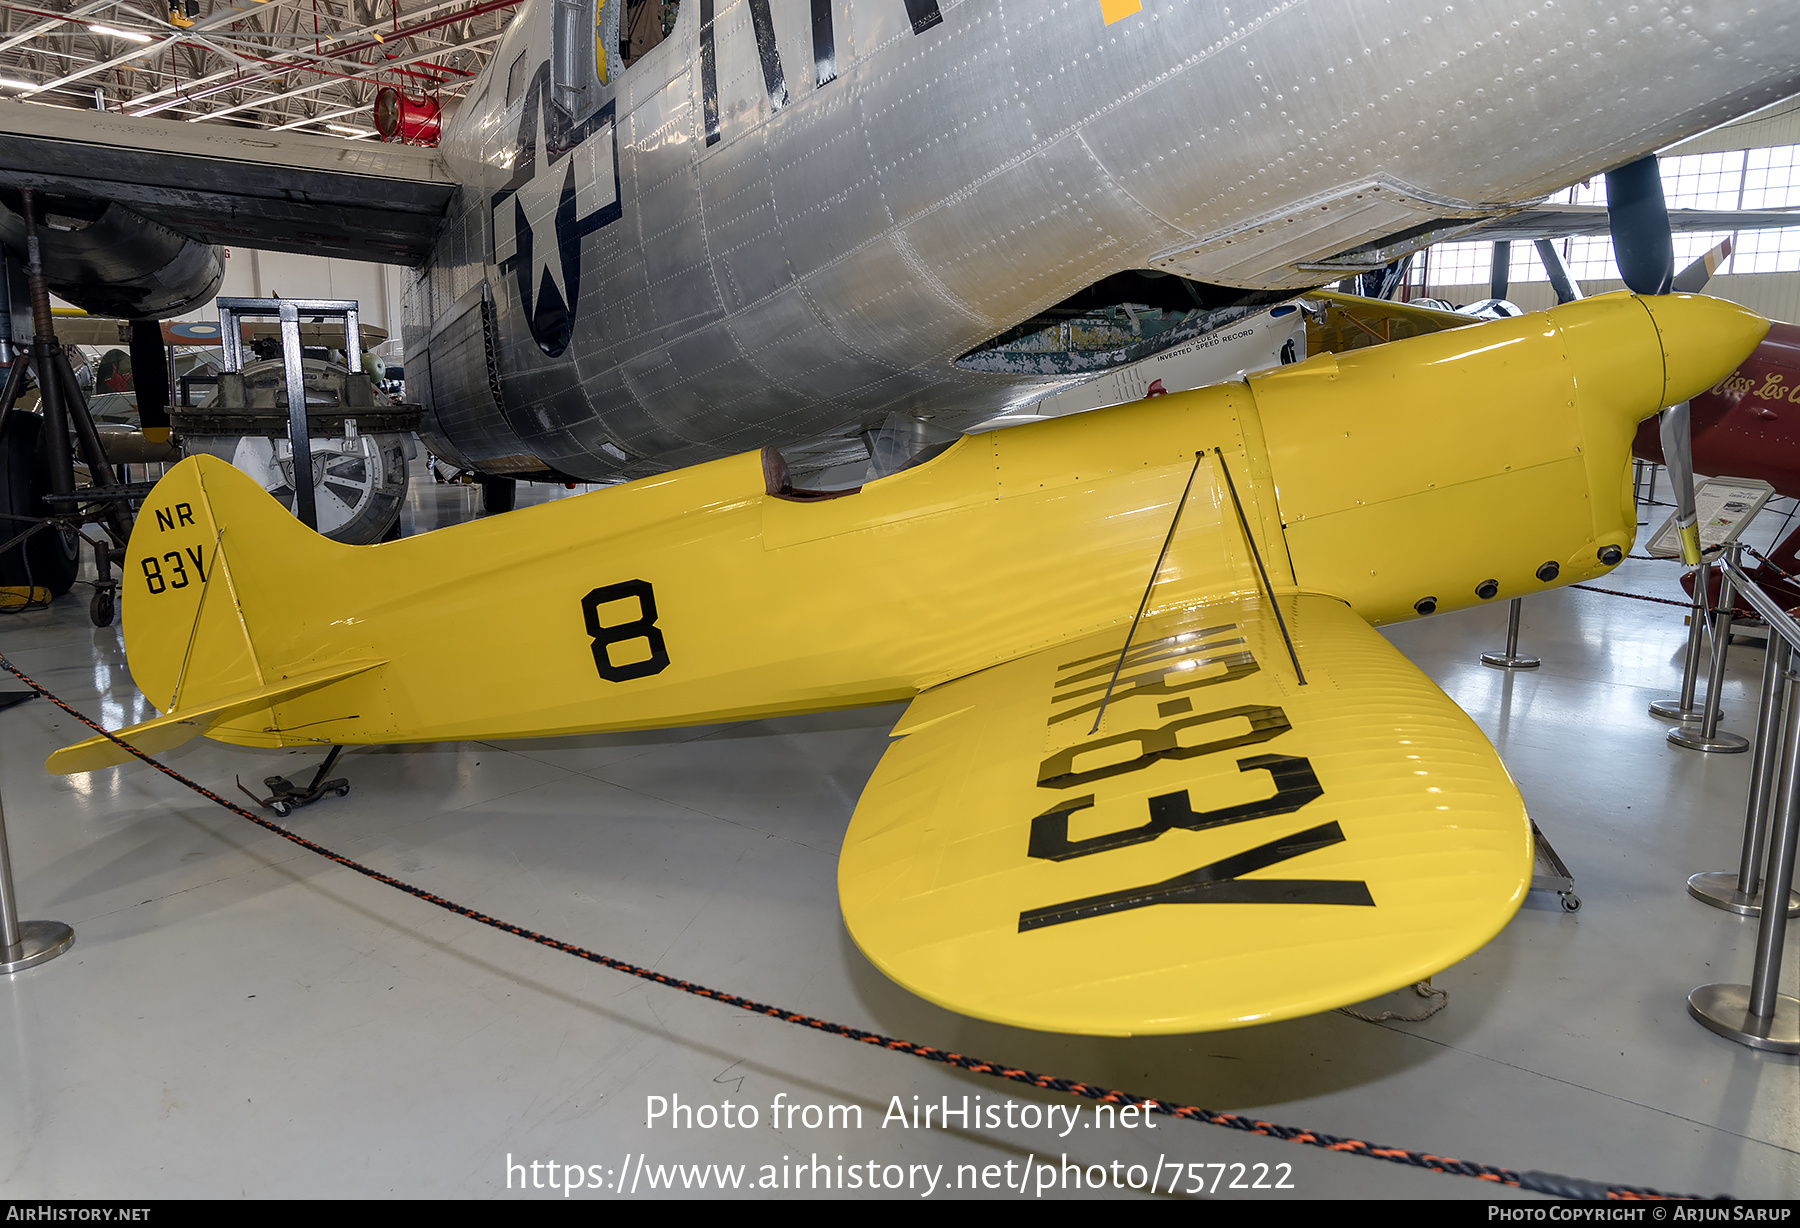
1407, 473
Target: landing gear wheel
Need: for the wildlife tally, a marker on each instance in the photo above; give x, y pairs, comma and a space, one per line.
49, 558
359, 481
103, 607
498, 494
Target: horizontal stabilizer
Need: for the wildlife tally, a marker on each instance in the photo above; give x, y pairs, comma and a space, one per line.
166, 732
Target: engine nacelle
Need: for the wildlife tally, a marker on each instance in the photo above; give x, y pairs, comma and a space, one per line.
112, 261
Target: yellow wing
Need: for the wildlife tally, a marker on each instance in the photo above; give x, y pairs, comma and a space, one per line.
1229, 848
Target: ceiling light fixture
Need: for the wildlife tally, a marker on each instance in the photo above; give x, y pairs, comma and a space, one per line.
108, 30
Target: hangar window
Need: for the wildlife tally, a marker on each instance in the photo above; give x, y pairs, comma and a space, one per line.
1771, 181
1766, 178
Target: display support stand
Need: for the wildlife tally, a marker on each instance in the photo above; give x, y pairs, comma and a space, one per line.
28, 943
1550, 873
1758, 1014
65, 410
1740, 891
288, 311
1709, 737
1510, 659
1683, 709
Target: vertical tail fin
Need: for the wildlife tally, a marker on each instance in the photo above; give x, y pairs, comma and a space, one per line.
185, 629
203, 631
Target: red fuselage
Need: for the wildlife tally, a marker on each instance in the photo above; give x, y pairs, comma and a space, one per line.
1748, 424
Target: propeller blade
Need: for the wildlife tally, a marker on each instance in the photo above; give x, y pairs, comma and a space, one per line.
1693, 279
1561, 280
1642, 243
1678, 454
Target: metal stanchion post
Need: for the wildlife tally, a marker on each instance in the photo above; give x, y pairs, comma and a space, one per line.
1709, 737
23, 944
1741, 891
1510, 659
1757, 1014
1683, 709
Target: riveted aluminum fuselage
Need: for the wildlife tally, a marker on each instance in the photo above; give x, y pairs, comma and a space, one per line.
791, 217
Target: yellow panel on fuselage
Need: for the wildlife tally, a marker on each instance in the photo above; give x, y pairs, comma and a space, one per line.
698, 596
761, 605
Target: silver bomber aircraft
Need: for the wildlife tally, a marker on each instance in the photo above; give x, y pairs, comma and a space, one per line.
785, 221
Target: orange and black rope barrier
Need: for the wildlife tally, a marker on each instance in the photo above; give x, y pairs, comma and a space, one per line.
1546, 1183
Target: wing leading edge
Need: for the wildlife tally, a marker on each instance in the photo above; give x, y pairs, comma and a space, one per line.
1229, 848
1560, 221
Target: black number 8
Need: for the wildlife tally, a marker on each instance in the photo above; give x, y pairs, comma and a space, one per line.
153, 576
640, 628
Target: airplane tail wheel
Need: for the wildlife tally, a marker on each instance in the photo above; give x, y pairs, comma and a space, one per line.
48, 557
103, 608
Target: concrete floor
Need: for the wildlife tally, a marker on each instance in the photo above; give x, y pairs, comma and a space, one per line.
239, 1017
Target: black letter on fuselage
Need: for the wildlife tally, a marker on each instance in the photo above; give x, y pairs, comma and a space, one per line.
824, 44
709, 73
924, 14
773, 78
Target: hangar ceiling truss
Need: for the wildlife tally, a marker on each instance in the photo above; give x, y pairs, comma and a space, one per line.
307, 64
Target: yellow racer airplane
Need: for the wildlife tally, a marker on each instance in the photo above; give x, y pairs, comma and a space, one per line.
1245, 806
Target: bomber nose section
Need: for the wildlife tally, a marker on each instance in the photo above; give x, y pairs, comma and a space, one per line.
1703, 340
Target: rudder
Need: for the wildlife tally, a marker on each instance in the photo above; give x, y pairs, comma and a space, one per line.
206, 570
